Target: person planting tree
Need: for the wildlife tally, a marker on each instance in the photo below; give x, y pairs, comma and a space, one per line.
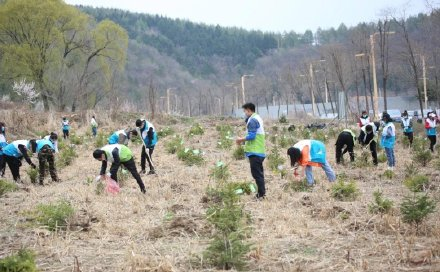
14, 152
255, 146
368, 139
149, 136
407, 126
53, 137
344, 144
308, 154
65, 125
364, 119
431, 129
388, 140
118, 155
45, 150
121, 136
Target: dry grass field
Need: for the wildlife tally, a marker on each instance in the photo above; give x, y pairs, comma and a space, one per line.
166, 229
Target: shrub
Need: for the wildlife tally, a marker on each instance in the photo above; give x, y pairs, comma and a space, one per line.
298, 186
344, 191
67, 155
220, 172
23, 261
239, 153
190, 156
164, 132
319, 135
6, 187
419, 144
32, 174
388, 174
225, 141
174, 145
416, 208
283, 119
382, 158
137, 140
228, 248
285, 141
411, 170
417, 183
423, 157
224, 129
380, 205
242, 187
100, 140
275, 160
53, 216
76, 140
196, 129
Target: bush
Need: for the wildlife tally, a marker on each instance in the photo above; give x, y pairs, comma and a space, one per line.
345, 191
174, 145
388, 174
380, 205
298, 186
283, 119
100, 140
239, 153
224, 129
423, 157
6, 187
319, 135
225, 141
32, 174
275, 160
53, 216
67, 155
411, 170
382, 158
286, 142
417, 183
76, 140
196, 129
416, 208
164, 132
190, 156
228, 248
419, 144
220, 172
23, 261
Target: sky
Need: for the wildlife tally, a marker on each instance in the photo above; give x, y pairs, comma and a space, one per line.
266, 15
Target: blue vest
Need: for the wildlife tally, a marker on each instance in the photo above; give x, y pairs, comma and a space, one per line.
42, 143
12, 148
431, 131
113, 139
388, 141
317, 152
144, 133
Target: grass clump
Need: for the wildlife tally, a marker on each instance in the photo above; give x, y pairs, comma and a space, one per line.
344, 191
196, 129
298, 186
32, 174
228, 248
380, 205
224, 129
382, 158
417, 183
75, 139
319, 135
275, 161
388, 174
174, 145
22, 261
225, 142
220, 172
239, 153
416, 208
165, 132
53, 216
6, 187
67, 155
411, 170
423, 157
191, 157
100, 140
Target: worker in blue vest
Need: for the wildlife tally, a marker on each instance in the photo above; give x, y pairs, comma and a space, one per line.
53, 137
65, 125
46, 154
121, 136
14, 152
149, 137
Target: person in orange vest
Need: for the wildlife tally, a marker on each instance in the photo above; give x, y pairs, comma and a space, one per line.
308, 154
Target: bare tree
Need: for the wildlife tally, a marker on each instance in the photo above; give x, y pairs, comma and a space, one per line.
384, 30
152, 99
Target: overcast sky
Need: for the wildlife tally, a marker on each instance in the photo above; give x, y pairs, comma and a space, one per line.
267, 15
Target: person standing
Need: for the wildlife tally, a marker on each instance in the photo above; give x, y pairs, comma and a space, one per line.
46, 154
345, 139
368, 138
364, 119
407, 126
118, 154
94, 126
388, 140
149, 136
14, 152
431, 129
255, 146
65, 125
3, 143
308, 154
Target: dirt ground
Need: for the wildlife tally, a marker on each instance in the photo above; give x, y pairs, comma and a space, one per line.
165, 230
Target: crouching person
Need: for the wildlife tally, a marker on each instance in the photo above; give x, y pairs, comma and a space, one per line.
344, 144
14, 152
121, 136
46, 154
308, 154
118, 154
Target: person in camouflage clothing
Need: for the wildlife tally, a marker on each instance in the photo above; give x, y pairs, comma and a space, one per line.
46, 154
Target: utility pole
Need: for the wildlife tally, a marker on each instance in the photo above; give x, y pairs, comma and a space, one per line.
168, 101
425, 89
243, 87
312, 94
375, 91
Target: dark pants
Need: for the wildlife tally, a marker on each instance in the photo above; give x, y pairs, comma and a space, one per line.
46, 156
373, 149
410, 136
14, 165
346, 140
433, 140
2, 166
148, 158
131, 167
65, 134
258, 174
94, 131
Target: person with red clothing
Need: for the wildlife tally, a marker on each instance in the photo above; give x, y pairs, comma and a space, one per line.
431, 129
364, 119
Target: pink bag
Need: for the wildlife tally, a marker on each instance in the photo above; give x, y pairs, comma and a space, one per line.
112, 187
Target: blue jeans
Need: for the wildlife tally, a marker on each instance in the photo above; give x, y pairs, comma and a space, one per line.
327, 169
94, 131
390, 156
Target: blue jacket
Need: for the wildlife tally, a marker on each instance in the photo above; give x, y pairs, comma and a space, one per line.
13, 149
388, 139
44, 142
149, 135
